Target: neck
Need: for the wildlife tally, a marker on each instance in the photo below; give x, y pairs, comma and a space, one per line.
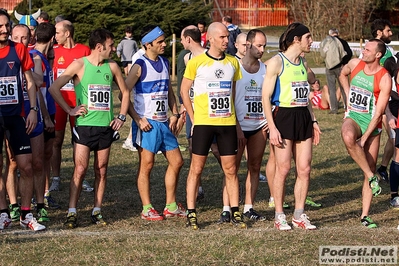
292, 54
70, 43
197, 49
249, 60
95, 59
4, 44
216, 53
42, 47
151, 55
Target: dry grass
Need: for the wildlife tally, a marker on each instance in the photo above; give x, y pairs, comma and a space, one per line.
129, 240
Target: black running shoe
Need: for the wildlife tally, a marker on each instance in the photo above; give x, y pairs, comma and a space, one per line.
224, 217
254, 216
72, 221
238, 221
192, 221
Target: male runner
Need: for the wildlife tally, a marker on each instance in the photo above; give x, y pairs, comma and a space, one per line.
96, 126
151, 132
367, 92
214, 75
292, 124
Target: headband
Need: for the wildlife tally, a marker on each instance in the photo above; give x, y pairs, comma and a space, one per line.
152, 35
298, 31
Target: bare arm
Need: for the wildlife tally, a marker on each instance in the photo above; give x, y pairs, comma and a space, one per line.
31, 120
116, 124
184, 91
345, 72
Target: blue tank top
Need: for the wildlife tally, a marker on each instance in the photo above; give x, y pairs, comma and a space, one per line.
11, 98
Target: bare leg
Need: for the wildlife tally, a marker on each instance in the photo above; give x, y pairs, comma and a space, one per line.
146, 162
100, 169
175, 162
82, 156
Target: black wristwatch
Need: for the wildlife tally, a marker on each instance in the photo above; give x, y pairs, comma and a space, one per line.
176, 115
35, 108
122, 117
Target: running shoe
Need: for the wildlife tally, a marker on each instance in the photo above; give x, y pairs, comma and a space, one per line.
262, 178
15, 213
50, 203
375, 187
192, 221
309, 201
97, 218
30, 223
281, 223
395, 203
128, 145
43, 216
151, 215
71, 221
237, 220
33, 204
383, 175
368, 222
224, 217
303, 222
5, 222
254, 216
55, 184
179, 212
272, 204
86, 186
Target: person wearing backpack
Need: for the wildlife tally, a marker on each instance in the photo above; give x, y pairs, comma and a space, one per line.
336, 53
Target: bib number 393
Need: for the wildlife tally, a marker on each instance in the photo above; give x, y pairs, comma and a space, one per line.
219, 104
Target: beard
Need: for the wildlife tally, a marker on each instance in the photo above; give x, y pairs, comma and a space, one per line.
385, 39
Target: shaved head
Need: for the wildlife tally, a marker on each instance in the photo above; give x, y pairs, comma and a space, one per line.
214, 29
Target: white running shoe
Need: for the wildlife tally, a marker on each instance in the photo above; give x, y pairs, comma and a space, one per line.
86, 186
303, 222
281, 223
31, 223
5, 221
55, 185
128, 145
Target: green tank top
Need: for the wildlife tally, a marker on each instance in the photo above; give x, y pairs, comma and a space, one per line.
95, 90
292, 87
387, 55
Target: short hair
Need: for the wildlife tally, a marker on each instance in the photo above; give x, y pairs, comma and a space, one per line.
333, 31
379, 24
129, 29
194, 33
44, 15
44, 32
202, 22
22, 26
381, 47
228, 19
99, 36
68, 26
252, 33
59, 18
3, 12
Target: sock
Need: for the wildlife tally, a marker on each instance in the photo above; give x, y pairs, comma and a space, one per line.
172, 206
24, 211
47, 193
71, 210
271, 199
276, 214
226, 209
40, 206
95, 209
189, 211
394, 195
382, 168
298, 213
234, 209
394, 176
15, 205
247, 207
147, 207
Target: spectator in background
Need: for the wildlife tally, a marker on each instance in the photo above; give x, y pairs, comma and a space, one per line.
43, 17
202, 27
233, 33
59, 18
126, 49
241, 45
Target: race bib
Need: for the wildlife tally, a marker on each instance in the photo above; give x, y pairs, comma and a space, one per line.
159, 108
219, 104
254, 108
300, 91
359, 100
8, 90
67, 87
99, 97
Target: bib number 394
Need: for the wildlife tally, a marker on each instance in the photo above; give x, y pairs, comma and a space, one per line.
359, 100
219, 104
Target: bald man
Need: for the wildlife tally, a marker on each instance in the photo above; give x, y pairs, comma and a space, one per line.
214, 75
240, 44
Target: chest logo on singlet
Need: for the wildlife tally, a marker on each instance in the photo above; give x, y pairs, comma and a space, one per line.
11, 64
61, 60
219, 73
107, 77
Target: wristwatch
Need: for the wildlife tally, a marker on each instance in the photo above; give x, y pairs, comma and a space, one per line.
35, 108
122, 117
176, 115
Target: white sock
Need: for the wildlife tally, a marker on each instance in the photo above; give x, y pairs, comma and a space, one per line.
226, 209
271, 199
95, 209
200, 189
247, 207
71, 210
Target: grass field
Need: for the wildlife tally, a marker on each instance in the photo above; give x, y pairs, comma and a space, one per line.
128, 240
